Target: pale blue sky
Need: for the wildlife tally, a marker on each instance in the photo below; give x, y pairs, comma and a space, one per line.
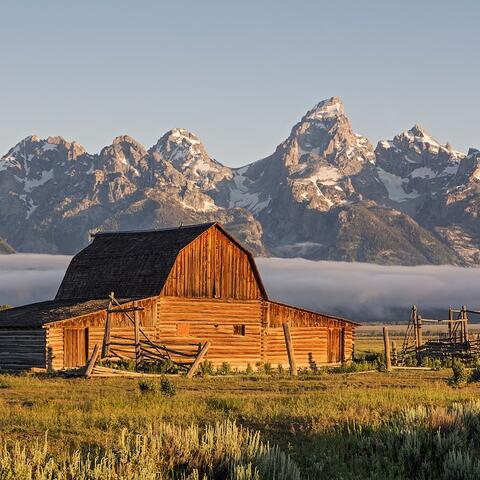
238, 74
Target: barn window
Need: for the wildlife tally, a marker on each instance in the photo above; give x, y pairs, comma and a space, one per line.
239, 330
183, 329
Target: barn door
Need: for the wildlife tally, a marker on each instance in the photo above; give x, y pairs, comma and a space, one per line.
335, 345
75, 347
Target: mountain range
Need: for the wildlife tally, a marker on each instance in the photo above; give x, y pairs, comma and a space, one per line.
324, 193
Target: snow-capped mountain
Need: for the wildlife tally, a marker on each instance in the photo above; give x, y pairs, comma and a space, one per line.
324, 193
414, 165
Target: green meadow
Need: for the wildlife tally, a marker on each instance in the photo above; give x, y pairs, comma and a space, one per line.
407, 424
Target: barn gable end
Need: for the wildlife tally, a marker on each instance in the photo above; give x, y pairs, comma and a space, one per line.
214, 265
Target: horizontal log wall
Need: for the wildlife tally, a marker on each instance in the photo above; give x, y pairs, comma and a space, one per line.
215, 267
214, 320
22, 349
309, 332
121, 327
309, 345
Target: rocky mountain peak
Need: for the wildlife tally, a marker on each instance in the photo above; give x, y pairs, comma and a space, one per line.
322, 194
413, 165
184, 150
315, 165
124, 155
469, 170
324, 137
329, 108
177, 144
418, 131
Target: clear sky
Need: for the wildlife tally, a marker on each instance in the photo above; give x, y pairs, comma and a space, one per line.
238, 74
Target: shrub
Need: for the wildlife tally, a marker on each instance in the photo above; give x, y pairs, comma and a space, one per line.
475, 375
267, 368
459, 374
5, 383
280, 369
224, 369
147, 385
207, 368
165, 451
249, 370
167, 387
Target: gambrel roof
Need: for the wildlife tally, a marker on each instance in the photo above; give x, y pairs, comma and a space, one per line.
131, 264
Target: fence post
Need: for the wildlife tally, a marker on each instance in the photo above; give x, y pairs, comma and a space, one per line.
137, 336
290, 352
450, 322
394, 352
386, 345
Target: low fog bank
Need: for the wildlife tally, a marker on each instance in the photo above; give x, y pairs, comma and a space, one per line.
28, 278
358, 291
367, 292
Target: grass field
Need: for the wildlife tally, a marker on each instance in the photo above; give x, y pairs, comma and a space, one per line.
342, 426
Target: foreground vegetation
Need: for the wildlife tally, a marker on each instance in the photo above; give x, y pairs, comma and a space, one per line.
340, 426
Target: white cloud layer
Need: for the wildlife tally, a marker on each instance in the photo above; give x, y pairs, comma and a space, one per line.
359, 291
366, 292
27, 278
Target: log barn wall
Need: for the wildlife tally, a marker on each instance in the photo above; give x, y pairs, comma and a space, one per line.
233, 327
213, 266
317, 339
22, 349
94, 324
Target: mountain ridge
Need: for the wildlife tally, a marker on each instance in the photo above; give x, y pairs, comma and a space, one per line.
324, 193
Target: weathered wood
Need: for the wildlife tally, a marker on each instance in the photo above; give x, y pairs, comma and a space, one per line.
290, 352
92, 361
450, 322
419, 331
213, 266
136, 337
191, 372
106, 337
213, 293
125, 310
394, 353
465, 323
386, 347
410, 368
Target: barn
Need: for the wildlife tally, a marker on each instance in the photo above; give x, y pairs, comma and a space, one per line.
139, 293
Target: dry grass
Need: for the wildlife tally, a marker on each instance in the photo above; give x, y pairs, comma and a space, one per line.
305, 417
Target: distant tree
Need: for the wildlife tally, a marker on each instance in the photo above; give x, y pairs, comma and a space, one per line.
5, 307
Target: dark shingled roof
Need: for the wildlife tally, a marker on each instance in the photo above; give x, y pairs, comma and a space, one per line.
38, 314
131, 264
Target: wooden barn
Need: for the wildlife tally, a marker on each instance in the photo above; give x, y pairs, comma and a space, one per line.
168, 292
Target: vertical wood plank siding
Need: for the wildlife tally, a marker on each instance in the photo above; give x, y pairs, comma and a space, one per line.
212, 266
21, 349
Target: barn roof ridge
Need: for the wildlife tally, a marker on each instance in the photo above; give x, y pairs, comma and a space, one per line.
155, 230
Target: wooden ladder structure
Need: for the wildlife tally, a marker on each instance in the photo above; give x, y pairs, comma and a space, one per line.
457, 343
145, 350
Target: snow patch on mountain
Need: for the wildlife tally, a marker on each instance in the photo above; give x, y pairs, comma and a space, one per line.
241, 197
395, 186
